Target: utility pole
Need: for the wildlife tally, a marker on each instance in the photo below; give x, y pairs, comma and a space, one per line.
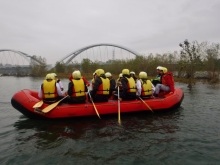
113, 55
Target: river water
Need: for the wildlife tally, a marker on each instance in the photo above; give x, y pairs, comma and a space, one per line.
189, 135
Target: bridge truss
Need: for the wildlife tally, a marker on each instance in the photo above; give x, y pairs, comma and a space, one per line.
11, 61
99, 52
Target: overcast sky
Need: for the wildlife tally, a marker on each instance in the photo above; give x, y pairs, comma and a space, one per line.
55, 28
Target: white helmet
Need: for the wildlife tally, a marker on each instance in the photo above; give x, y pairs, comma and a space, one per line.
159, 67
108, 74
132, 72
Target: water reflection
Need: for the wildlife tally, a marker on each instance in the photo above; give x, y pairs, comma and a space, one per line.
136, 128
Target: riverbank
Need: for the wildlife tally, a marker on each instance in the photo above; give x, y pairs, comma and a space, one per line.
89, 76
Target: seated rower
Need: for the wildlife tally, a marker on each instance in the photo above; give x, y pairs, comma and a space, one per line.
101, 88
144, 86
112, 83
49, 90
128, 86
77, 89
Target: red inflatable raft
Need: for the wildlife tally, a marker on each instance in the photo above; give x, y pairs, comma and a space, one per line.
24, 101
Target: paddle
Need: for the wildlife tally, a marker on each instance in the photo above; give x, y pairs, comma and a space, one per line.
119, 118
38, 104
52, 106
94, 105
145, 103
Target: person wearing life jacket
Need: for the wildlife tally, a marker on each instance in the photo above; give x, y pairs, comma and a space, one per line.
58, 81
128, 86
77, 89
101, 88
50, 91
84, 79
157, 79
112, 82
167, 82
132, 74
144, 86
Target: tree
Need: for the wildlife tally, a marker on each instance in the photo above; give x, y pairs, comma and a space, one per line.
190, 55
86, 65
212, 54
36, 68
60, 68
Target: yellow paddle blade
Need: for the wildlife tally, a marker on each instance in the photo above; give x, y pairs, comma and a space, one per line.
39, 104
96, 110
119, 115
50, 107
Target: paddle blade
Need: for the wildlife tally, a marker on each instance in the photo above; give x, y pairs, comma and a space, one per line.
119, 117
50, 107
39, 104
96, 110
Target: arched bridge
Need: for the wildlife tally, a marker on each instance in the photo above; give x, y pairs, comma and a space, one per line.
13, 62
26, 56
72, 55
97, 52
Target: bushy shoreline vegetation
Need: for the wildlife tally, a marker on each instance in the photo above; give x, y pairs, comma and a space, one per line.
192, 57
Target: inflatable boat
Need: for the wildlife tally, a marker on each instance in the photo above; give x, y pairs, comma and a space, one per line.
25, 100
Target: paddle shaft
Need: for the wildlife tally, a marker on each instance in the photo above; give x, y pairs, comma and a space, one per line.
119, 115
146, 104
94, 105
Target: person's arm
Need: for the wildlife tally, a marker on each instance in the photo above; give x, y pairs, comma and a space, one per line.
61, 86
97, 82
59, 92
153, 88
170, 83
138, 84
70, 87
40, 95
112, 84
124, 87
86, 88
85, 81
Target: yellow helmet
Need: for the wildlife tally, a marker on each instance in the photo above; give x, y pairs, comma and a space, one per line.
76, 74
120, 75
99, 72
108, 74
164, 69
132, 72
50, 76
142, 75
125, 71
